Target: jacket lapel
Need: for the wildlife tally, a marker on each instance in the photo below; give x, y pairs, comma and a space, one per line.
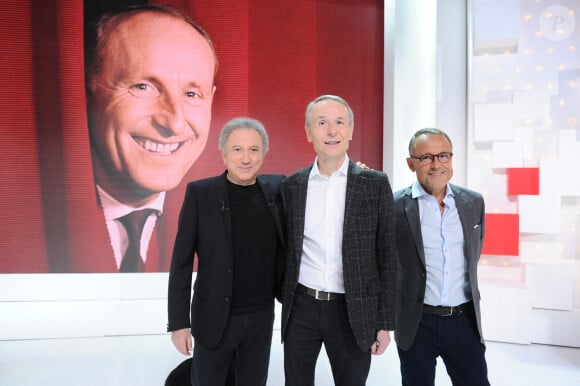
412, 213
298, 191
269, 195
223, 207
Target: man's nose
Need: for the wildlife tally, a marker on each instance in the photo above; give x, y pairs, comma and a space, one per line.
331, 129
246, 157
170, 115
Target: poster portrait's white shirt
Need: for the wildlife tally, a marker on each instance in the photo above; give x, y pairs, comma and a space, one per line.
114, 210
321, 261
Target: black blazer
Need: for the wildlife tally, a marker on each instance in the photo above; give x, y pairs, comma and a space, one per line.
412, 272
369, 256
205, 229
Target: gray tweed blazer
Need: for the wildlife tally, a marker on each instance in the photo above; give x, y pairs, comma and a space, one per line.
369, 255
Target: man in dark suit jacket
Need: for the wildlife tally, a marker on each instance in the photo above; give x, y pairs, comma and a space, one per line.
439, 236
340, 280
232, 223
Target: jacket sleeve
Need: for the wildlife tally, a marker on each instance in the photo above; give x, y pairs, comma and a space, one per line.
181, 270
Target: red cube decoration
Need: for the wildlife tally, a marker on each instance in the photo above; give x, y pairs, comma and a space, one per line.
523, 181
502, 232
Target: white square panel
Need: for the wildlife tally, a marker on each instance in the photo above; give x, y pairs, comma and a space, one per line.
552, 285
539, 214
493, 122
507, 155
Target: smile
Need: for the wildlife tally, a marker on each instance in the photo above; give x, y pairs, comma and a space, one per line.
331, 142
156, 147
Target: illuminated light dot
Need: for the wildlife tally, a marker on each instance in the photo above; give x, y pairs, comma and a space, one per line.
507, 87
561, 67
572, 48
505, 263
529, 121
572, 120
529, 86
538, 34
539, 68
550, 86
550, 50
562, 103
572, 84
527, 17
571, 12
528, 51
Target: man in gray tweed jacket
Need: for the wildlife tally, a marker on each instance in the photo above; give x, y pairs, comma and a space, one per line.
341, 269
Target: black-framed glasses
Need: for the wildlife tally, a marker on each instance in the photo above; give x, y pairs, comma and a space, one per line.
427, 159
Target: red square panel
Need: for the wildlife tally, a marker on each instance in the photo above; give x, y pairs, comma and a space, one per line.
523, 181
502, 233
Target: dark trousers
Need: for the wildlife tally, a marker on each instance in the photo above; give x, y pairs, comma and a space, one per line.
456, 340
245, 346
314, 322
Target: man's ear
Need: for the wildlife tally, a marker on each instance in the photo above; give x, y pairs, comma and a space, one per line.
308, 134
410, 164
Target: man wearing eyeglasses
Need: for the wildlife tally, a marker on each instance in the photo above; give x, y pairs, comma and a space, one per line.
439, 235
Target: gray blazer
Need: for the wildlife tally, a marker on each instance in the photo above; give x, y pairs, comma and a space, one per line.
412, 273
368, 252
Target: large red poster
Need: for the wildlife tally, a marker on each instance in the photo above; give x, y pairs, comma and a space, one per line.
274, 58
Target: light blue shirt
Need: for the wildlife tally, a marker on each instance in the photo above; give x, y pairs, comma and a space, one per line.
447, 270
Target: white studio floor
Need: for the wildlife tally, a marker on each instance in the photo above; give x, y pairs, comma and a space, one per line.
146, 361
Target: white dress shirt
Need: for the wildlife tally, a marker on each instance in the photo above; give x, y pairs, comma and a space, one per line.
114, 210
321, 261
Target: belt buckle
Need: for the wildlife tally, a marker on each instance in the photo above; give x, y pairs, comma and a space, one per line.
450, 312
318, 297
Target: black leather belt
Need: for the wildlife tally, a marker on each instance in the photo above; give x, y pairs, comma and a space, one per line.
446, 311
319, 295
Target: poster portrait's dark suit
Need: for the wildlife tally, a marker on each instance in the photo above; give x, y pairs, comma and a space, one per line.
205, 229
369, 259
412, 270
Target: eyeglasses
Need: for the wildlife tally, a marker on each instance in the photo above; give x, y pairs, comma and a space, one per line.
427, 159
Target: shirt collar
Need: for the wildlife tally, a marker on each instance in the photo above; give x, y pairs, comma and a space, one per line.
114, 209
342, 170
418, 191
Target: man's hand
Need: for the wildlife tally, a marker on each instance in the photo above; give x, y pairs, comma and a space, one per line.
380, 345
182, 340
362, 165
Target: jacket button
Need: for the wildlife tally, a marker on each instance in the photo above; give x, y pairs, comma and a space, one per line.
227, 299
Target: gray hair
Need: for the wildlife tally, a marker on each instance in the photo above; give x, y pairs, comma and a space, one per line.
243, 123
427, 131
332, 98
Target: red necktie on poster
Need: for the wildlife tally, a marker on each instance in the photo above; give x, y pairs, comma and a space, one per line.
133, 223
